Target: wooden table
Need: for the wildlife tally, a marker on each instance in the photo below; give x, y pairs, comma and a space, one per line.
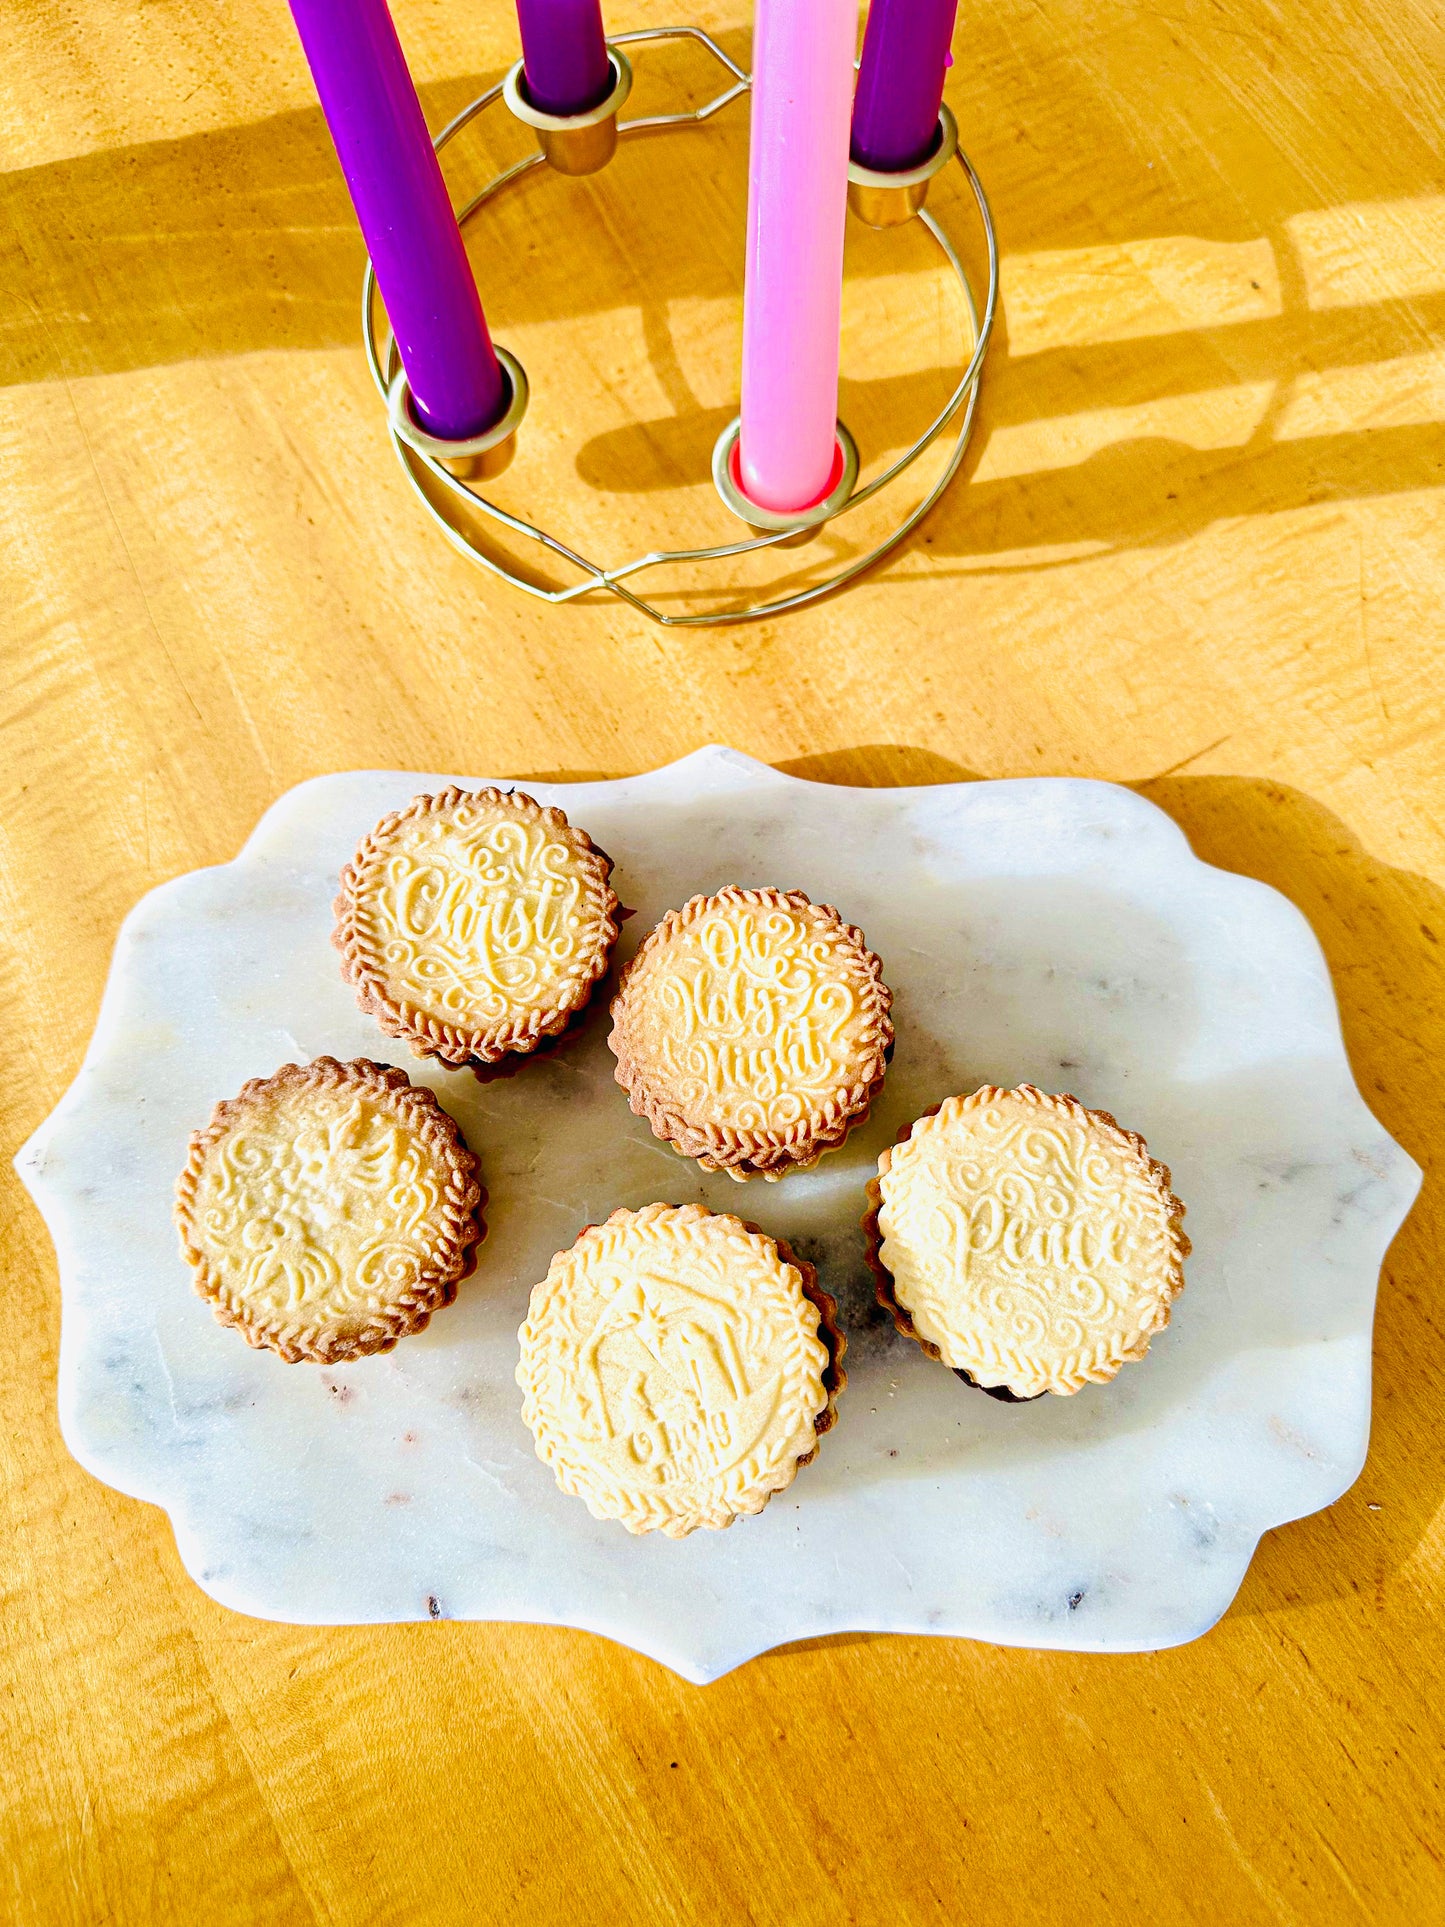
1200, 550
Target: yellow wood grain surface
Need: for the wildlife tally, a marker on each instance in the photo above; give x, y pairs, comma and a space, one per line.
1200, 549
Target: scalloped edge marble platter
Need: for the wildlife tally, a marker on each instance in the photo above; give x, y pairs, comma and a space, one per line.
1052, 930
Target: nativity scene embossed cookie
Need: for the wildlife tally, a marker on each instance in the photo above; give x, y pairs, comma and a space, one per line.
752, 1030
329, 1210
475, 924
1030, 1244
677, 1368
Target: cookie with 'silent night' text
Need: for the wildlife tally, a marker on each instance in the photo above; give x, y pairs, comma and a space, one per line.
752, 1030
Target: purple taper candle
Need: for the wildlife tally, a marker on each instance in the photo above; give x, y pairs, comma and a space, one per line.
370, 104
900, 82
564, 55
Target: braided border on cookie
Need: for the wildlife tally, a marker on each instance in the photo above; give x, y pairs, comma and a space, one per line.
454, 1254
430, 1036
749, 1153
1078, 1372
637, 1511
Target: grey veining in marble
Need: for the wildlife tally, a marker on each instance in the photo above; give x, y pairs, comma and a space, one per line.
1055, 931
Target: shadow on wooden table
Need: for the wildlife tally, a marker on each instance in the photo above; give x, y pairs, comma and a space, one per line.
1383, 932
241, 239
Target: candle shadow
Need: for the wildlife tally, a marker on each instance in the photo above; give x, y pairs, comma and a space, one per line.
1135, 489
1089, 468
243, 239
239, 240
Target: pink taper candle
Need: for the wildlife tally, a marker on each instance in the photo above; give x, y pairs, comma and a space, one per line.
797, 203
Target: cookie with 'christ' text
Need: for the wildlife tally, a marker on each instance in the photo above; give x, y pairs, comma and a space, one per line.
475, 924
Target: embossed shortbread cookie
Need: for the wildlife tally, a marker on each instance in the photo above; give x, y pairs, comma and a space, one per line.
677, 1367
751, 1030
475, 924
329, 1210
1027, 1242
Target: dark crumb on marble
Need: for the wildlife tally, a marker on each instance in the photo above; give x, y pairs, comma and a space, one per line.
1075, 1601
433, 1605
341, 1393
408, 1438
893, 1453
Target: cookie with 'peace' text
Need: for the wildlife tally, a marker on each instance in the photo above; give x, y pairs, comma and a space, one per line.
1029, 1243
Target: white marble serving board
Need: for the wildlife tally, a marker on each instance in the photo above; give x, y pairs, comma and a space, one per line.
1055, 931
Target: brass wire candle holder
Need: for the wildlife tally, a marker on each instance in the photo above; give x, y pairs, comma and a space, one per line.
444, 475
